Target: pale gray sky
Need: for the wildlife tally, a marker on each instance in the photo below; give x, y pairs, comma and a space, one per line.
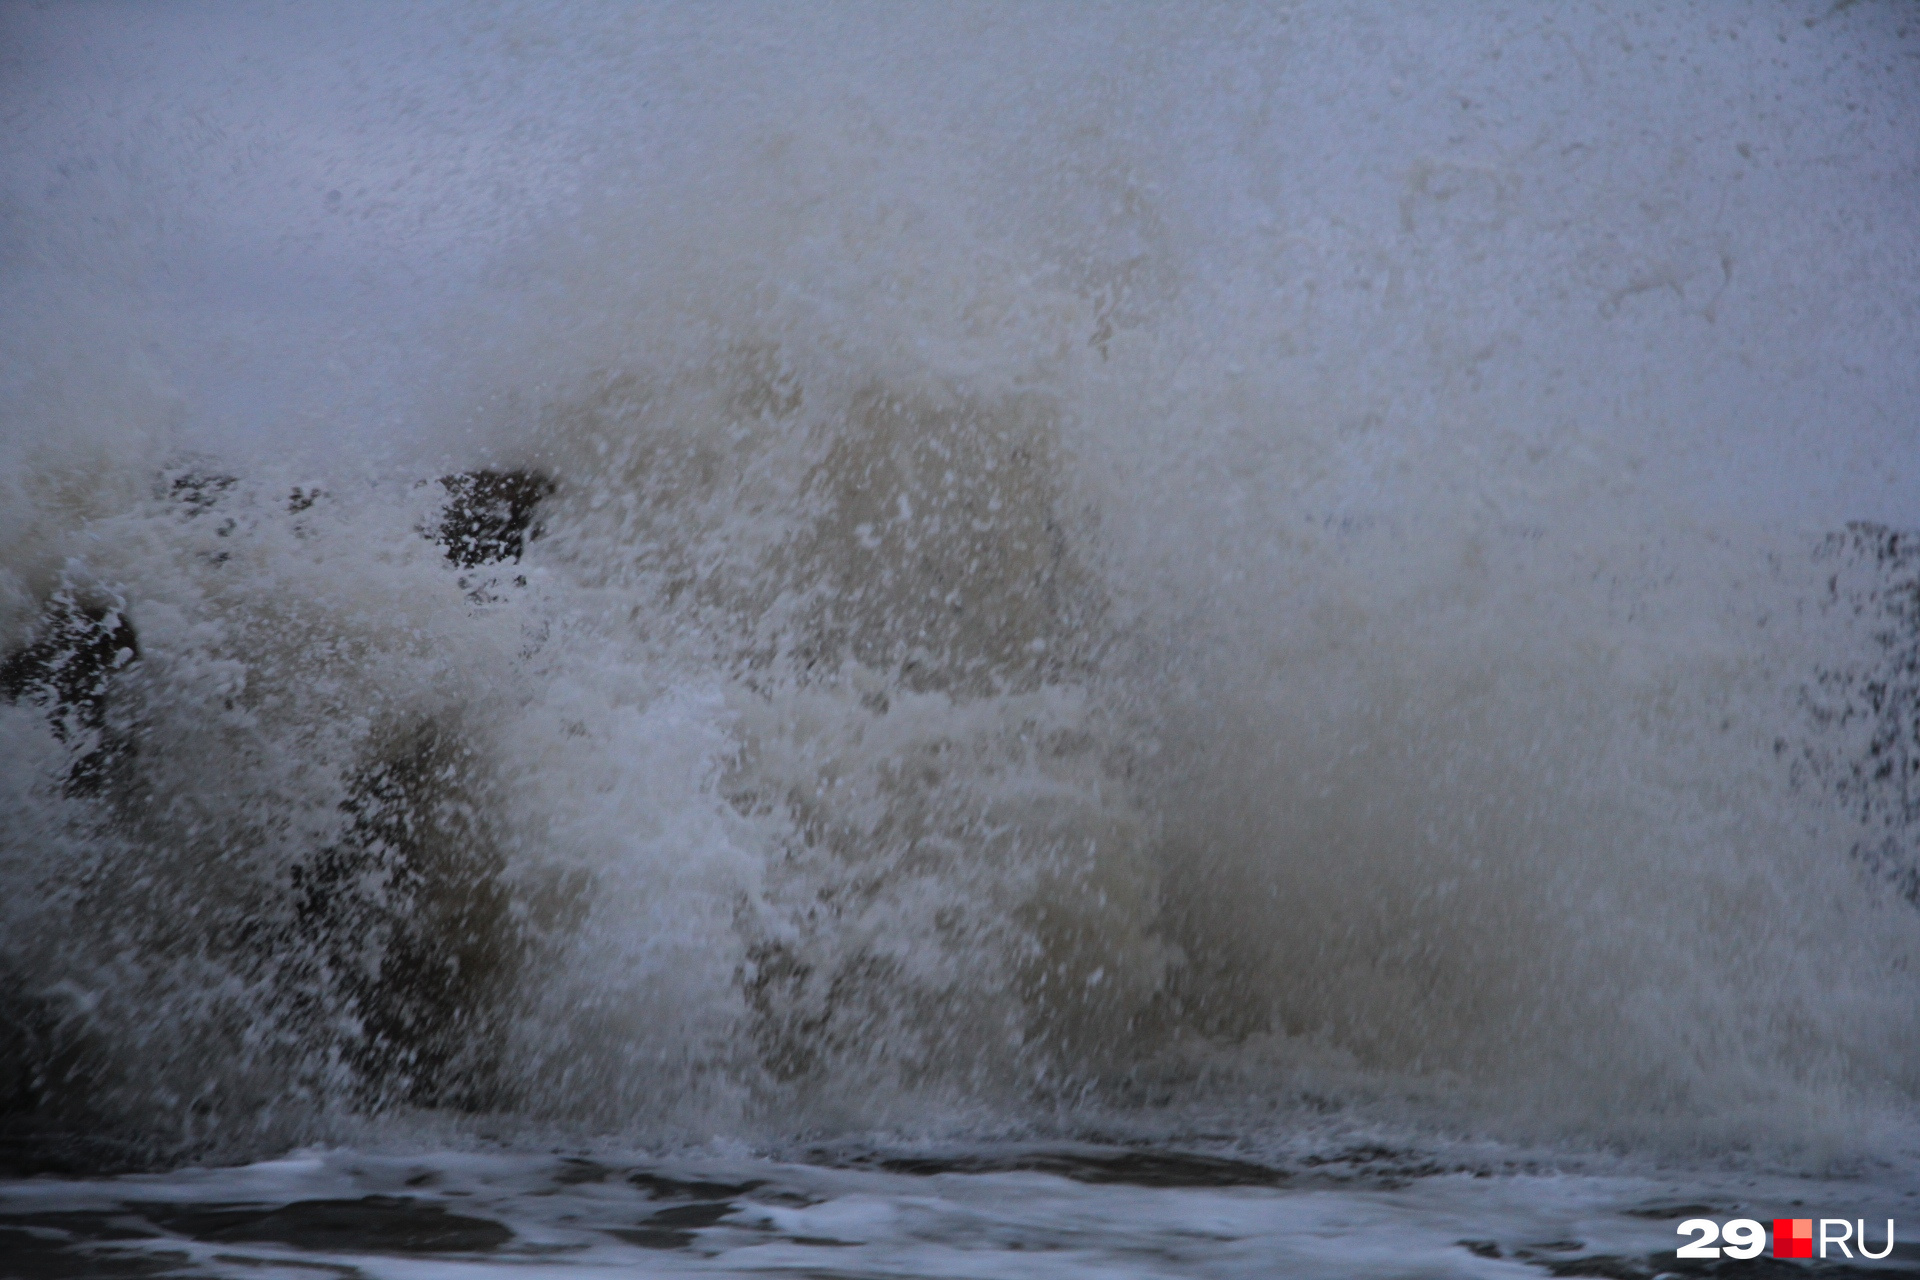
1698, 228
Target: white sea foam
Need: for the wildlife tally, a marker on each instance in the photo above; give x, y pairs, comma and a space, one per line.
712, 1212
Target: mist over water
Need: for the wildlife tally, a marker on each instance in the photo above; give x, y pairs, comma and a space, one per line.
1104, 571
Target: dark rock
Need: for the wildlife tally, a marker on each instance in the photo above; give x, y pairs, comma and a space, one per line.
198, 490
67, 670
409, 921
397, 937
199, 493
489, 514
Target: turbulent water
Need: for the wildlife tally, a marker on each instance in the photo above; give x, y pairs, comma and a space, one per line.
1207, 640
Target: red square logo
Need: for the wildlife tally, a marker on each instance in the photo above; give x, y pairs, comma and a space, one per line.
1793, 1237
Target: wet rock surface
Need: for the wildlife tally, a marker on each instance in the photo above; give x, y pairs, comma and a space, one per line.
67, 670
489, 515
401, 924
409, 922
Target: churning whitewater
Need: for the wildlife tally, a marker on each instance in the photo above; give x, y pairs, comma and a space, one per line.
859, 581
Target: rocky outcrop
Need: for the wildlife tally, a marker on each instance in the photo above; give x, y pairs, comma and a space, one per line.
82, 644
68, 670
489, 515
407, 922
406, 915
398, 934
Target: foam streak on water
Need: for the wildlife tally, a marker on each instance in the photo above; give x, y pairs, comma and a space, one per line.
974, 574
1061, 1211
